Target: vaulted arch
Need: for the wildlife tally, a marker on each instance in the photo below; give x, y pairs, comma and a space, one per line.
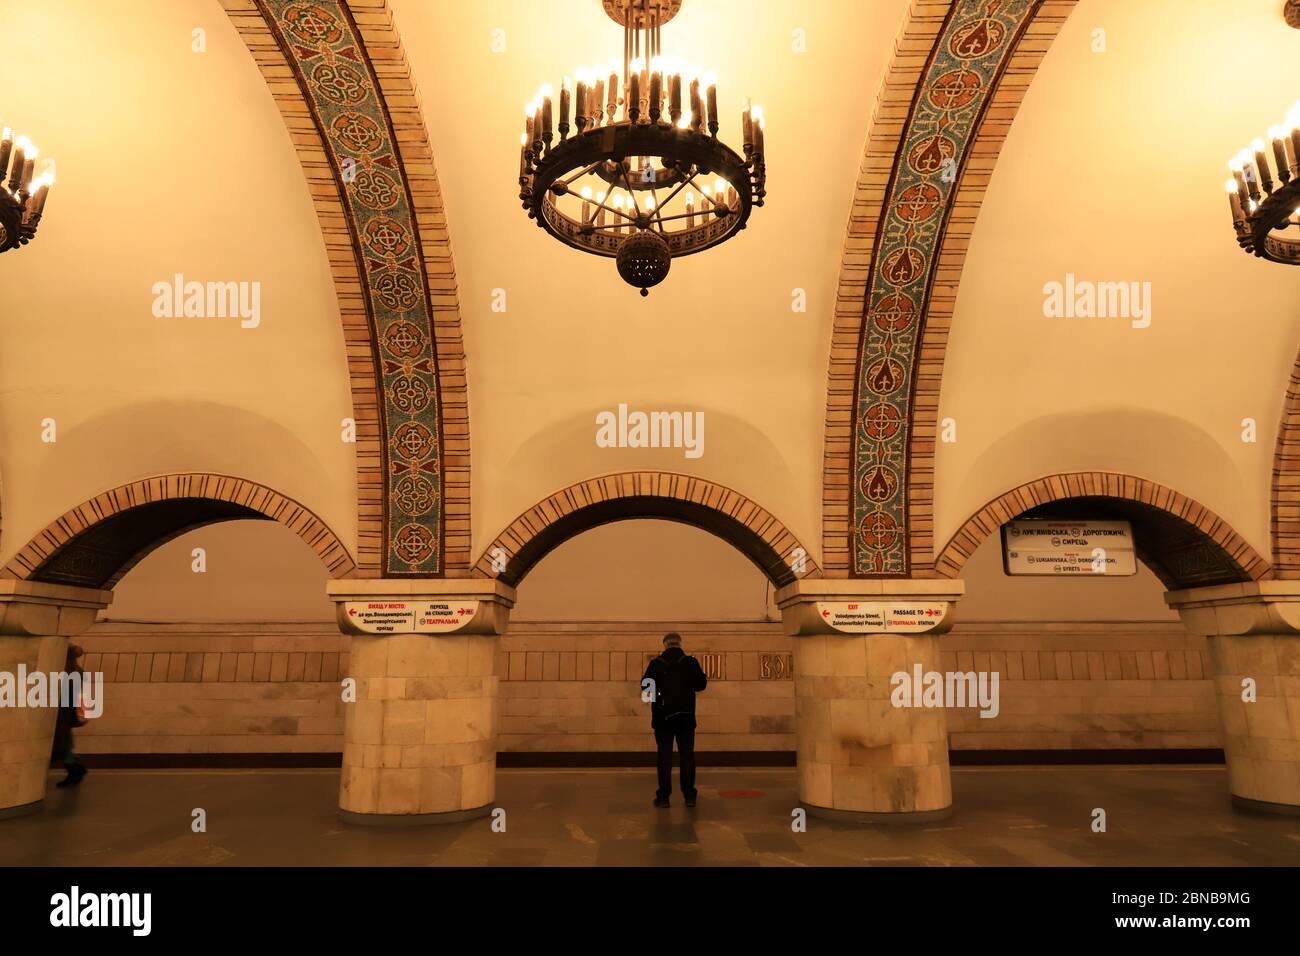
96, 543
647, 494
1183, 542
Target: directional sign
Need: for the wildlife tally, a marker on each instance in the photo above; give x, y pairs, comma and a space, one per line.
855, 617
410, 617
382, 617
443, 617
1043, 547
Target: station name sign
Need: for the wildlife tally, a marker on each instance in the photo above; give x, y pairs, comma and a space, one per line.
410, 617
1045, 546
875, 617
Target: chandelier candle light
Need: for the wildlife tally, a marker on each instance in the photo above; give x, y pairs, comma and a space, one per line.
1266, 202
638, 173
22, 197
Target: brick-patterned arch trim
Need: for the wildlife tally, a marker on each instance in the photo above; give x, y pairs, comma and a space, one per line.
386, 236
647, 494
1181, 540
97, 542
1285, 510
959, 70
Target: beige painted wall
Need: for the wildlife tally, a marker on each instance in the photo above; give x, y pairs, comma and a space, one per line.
1114, 171
168, 161
630, 571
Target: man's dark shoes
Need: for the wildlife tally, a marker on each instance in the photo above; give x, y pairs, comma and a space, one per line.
690, 801
73, 778
661, 802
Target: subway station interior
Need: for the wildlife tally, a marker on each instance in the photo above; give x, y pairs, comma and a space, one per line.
957, 436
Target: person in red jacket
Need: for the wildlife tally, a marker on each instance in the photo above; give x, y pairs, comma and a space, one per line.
674, 679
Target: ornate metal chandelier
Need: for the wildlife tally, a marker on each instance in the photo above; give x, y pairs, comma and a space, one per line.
1266, 202
643, 178
22, 197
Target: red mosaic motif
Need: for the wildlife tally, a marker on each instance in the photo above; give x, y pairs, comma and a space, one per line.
918, 203
312, 24
398, 290
409, 394
357, 132
375, 189
956, 89
879, 532
404, 340
932, 154
895, 313
339, 83
879, 484
414, 543
415, 495
413, 441
881, 421
977, 39
386, 237
902, 266
885, 375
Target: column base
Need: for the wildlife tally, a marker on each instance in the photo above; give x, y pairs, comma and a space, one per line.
24, 810
1265, 808
413, 819
861, 817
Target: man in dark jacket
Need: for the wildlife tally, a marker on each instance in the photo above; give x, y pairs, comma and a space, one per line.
675, 677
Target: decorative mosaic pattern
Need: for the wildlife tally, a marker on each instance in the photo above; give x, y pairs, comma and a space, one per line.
324, 46
963, 71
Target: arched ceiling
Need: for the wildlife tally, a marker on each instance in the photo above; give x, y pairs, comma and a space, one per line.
1113, 172
719, 335
174, 161
169, 161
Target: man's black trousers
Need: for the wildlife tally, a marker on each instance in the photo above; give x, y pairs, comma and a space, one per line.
682, 730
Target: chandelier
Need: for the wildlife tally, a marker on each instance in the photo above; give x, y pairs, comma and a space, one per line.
1266, 202
22, 198
638, 173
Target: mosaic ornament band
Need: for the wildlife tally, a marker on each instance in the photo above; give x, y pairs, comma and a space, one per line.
323, 44
960, 77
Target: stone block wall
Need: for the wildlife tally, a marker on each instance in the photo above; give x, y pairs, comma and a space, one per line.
270, 688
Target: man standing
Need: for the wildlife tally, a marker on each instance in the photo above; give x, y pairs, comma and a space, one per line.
674, 679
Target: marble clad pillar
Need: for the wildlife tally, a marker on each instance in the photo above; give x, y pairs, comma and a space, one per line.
1254, 633
420, 739
36, 621
860, 757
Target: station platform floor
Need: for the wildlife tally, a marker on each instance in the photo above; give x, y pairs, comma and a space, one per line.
1003, 816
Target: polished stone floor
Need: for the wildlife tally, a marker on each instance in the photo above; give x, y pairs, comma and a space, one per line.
1038, 816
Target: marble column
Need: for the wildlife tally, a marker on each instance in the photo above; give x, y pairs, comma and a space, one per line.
36, 621
860, 757
420, 738
1254, 635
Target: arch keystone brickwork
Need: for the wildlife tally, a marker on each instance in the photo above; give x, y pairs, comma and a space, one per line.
647, 494
1188, 545
97, 542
